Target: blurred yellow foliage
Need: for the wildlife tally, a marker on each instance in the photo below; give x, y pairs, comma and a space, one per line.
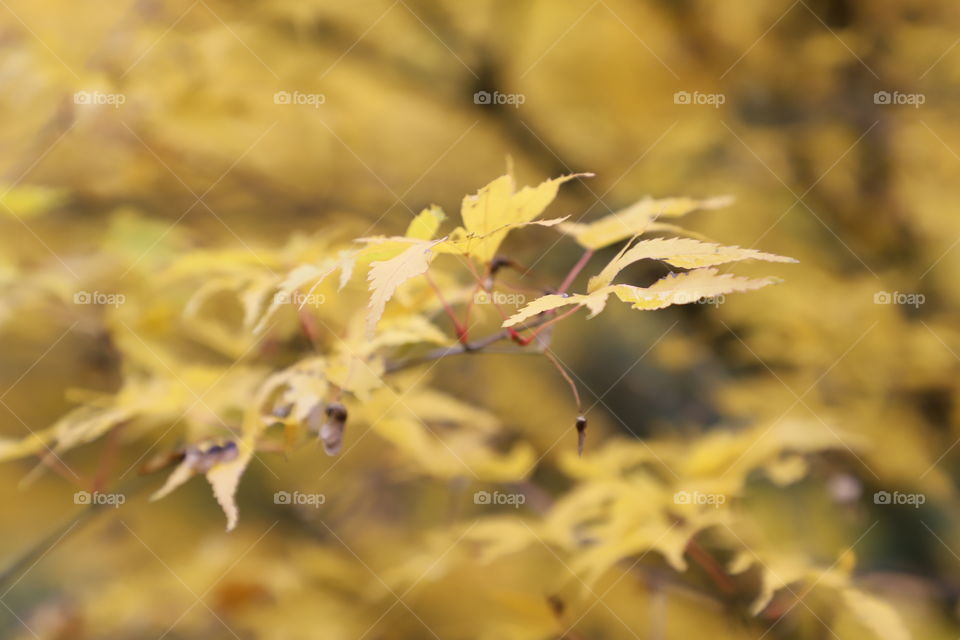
235, 240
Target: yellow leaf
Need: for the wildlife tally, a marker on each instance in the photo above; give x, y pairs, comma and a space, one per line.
776, 572
183, 472
636, 219
397, 331
595, 302
685, 288
681, 288
541, 304
356, 375
501, 536
875, 614
224, 479
27, 201
425, 225
465, 243
299, 277
685, 253
787, 470
386, 276
666, 227
489, 212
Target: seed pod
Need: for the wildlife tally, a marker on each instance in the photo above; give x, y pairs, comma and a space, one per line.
557, 605
202, 460
331, 432
581, 434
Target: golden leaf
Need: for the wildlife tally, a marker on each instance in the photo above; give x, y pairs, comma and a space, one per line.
386, 276
685, 288
425, 225
489, 213
636, 219
685, 253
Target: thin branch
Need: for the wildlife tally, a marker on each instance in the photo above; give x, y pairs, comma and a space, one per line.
477, 346
461, 329
575, 271
554, 319
566, 376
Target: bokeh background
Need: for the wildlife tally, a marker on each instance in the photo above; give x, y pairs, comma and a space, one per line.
136, 134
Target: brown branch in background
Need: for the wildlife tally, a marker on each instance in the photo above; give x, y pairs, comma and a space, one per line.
713, 568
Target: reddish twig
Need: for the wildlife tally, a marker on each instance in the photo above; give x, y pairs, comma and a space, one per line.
713, 569
462, 335
575, 271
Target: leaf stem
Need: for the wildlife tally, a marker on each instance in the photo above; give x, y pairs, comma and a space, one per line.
566, 376
575, 271
524, 341
461, 330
